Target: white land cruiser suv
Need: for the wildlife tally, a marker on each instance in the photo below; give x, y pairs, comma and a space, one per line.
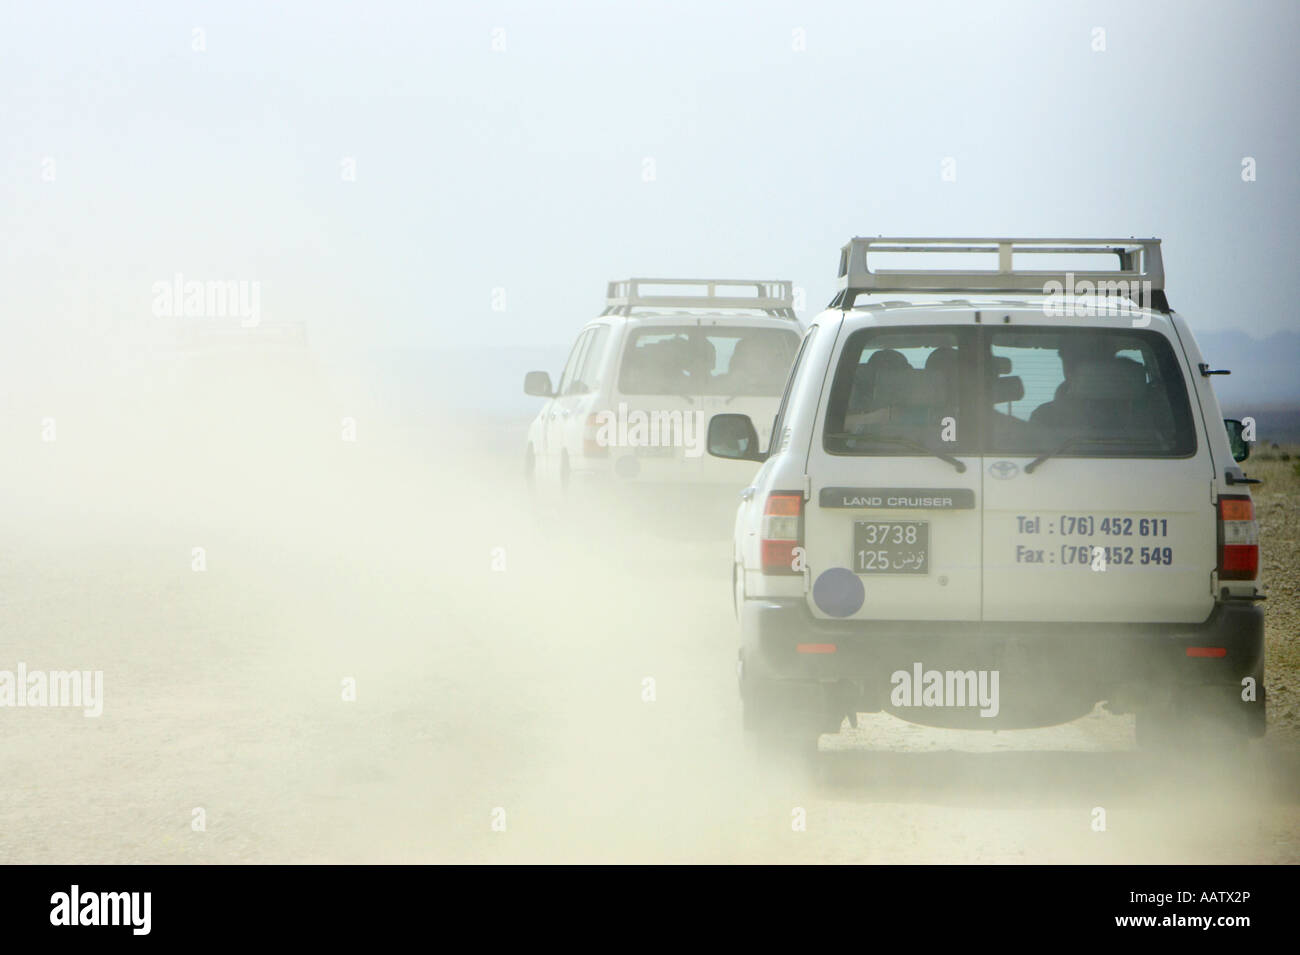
630, 414
996, 497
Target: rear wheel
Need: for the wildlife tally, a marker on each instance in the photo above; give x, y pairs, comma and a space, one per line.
1200, 719
783, 721
541, 497
530, 471
737, 589
1157, 729
565, 476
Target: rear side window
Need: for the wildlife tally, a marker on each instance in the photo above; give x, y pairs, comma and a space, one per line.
1091, 392
777, 441
588, 378
570, 373
896, 387
707, 361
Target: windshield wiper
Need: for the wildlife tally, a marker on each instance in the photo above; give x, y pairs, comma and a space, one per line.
1073, 442
901, 442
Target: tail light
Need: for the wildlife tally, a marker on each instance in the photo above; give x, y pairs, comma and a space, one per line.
782, 531
1238, 538
591, 446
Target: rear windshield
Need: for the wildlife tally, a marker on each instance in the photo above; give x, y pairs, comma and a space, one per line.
1009, 390
690, 360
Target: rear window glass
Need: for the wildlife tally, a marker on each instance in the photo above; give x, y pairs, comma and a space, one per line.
1099, 391
896, 387
707, 361
1022, 391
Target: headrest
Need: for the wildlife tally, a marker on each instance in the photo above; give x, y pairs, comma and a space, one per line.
942, 360
1007, 388
906, 386
1110, 379
868, 372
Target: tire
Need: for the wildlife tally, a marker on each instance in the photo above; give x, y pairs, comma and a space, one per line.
539, 497
776, 730
1200, 719
737, 589
1157, 729
530, 472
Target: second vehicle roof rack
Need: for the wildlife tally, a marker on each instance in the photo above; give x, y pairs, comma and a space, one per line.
1138, 272
773, 296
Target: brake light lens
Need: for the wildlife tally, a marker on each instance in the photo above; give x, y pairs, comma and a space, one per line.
782, 532
1238, 538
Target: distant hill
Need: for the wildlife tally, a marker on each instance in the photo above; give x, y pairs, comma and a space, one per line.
1265, 380
1264, 370
415, 383
417, 386
1273, 422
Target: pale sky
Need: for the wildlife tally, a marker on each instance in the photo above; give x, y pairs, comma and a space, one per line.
130, 156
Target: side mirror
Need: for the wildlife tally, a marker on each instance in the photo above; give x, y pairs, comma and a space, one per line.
1240, 446
538, 384
732, 436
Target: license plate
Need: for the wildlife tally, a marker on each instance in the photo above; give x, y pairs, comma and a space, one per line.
891, 547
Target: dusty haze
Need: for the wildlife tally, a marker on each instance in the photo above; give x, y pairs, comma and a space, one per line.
477, 688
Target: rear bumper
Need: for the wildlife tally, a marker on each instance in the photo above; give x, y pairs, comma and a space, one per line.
1075, 665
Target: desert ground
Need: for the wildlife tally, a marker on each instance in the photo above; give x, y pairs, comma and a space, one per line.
382, 654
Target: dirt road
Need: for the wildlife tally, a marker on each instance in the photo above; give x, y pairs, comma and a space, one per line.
519, 695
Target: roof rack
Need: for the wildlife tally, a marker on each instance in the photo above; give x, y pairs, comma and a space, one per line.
775, 297
1139, 267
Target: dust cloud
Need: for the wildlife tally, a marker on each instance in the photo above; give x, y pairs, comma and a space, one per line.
327, 636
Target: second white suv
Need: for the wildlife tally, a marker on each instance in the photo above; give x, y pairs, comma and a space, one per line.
629, 415
994, 498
